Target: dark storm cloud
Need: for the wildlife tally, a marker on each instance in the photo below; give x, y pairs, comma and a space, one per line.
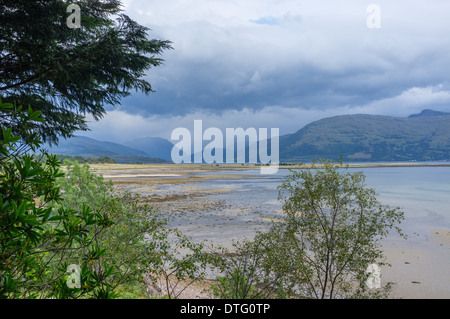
253, 57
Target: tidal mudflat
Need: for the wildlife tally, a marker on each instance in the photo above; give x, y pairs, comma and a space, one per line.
231, 202
196, 209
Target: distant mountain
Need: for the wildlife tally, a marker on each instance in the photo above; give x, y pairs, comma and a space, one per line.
360, 137
88, 147
153, 146
429, 113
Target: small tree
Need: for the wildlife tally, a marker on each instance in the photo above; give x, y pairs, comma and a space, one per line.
177, 262
253, 269
336, 222
241, 272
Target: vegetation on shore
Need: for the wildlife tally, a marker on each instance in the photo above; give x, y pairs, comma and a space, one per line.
88, 160
323, 245
70, 235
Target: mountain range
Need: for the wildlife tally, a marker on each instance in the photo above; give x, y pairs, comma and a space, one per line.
357, 138
159, 149
363, 137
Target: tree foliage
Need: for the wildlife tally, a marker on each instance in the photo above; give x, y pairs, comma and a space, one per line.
86, 160
66, 73
337, 224
37, 240
140, 246
323, 245
253, 269
56, 219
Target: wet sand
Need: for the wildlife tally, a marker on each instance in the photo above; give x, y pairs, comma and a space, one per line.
419, 265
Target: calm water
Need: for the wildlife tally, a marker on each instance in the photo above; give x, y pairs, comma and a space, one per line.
422, 192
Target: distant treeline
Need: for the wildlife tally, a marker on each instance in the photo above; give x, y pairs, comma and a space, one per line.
86, 160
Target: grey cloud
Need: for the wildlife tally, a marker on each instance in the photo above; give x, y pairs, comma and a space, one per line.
292, 61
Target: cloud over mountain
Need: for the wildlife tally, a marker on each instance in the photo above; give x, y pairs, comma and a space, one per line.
305, 58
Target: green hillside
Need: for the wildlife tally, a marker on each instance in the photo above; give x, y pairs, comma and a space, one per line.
90, 148
371, 138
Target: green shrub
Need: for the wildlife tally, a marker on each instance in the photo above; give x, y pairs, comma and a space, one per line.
37, 241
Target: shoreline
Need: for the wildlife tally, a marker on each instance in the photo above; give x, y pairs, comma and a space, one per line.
419, 264
238, 167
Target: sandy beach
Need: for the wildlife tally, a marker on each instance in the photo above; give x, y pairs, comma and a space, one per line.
419, 264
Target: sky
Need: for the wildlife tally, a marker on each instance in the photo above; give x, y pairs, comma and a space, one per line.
284, 63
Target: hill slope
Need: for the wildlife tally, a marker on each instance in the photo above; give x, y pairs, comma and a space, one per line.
361, 137
153, 146
88, 147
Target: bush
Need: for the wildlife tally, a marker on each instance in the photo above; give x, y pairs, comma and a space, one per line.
251, 271
37, 241
139, 244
